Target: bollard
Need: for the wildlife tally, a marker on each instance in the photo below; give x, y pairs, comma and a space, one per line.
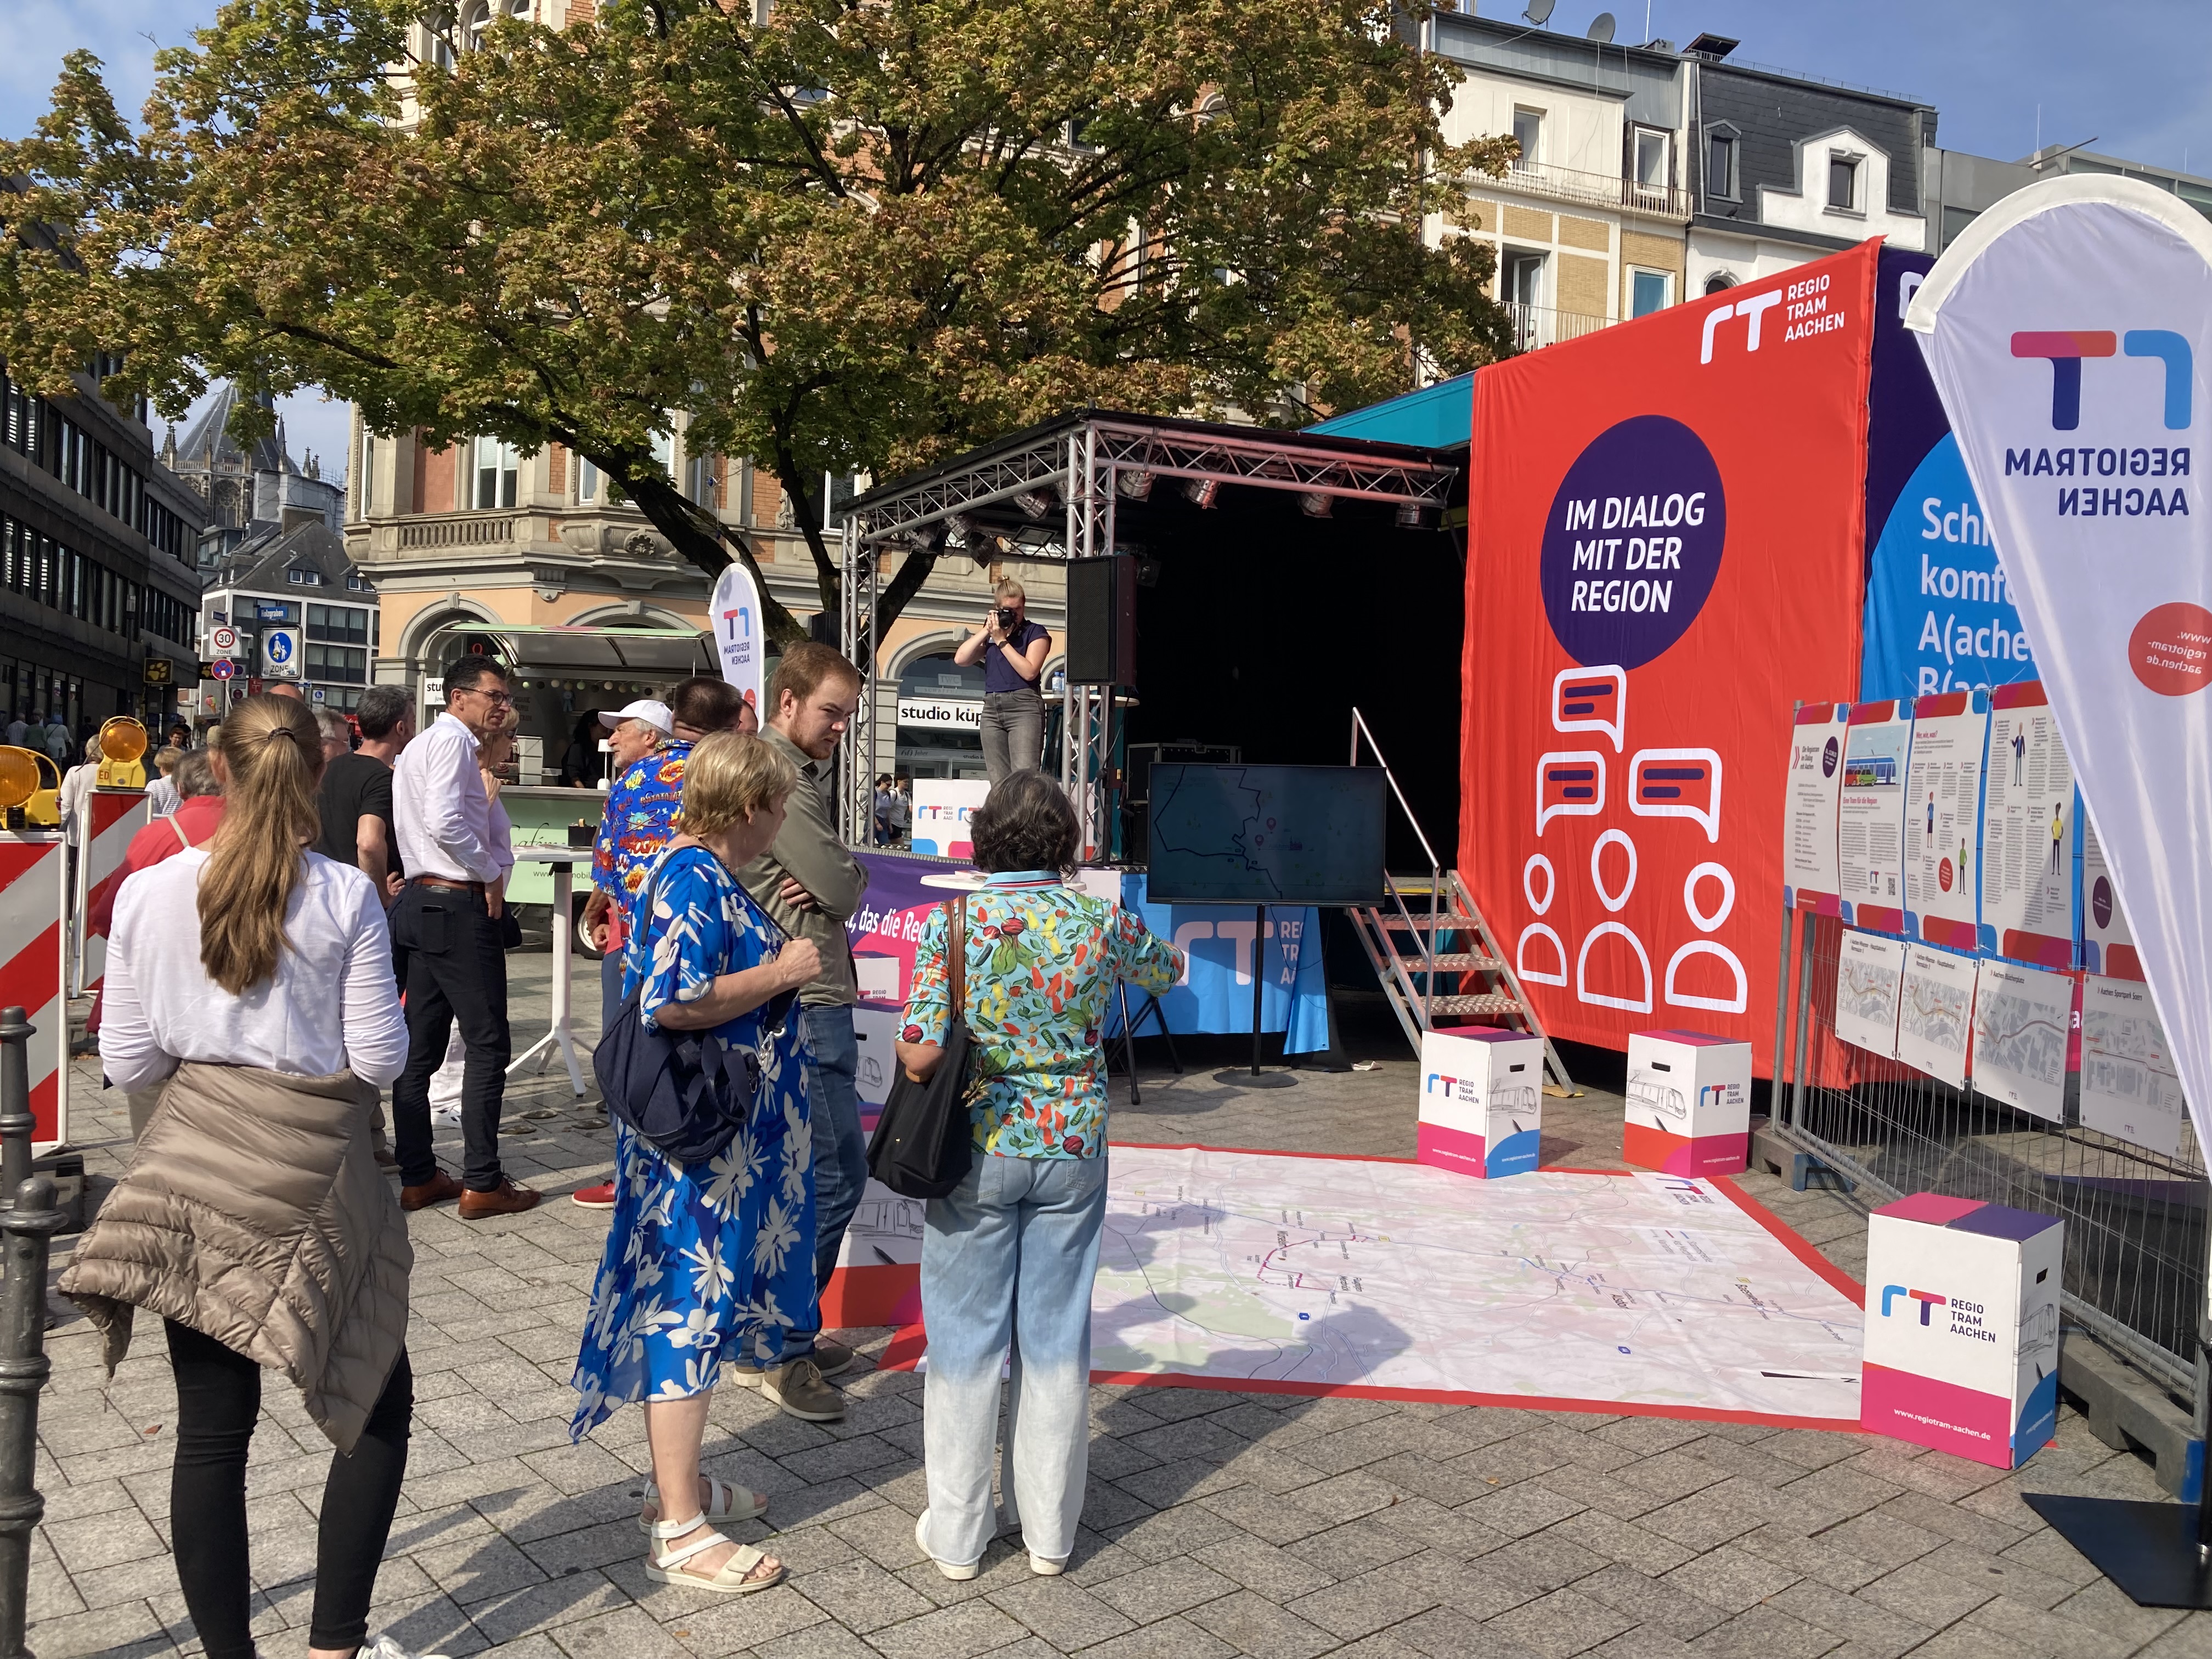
17, 1125
27, 1225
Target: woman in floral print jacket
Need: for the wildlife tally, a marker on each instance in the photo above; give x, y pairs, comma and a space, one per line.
1008, 1256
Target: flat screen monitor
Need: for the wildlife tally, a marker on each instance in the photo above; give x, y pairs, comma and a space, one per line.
1266, 834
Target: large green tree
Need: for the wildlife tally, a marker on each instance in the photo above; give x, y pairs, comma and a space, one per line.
860, 236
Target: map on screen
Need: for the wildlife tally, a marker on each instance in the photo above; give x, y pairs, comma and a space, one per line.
1266, 834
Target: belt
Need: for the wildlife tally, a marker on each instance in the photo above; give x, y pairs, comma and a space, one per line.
475, 887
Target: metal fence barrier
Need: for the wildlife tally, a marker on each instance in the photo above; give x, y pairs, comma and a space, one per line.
2135, 1264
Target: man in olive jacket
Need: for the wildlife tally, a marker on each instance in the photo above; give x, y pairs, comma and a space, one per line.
810, 884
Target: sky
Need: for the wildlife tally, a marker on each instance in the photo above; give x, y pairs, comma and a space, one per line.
2127, 74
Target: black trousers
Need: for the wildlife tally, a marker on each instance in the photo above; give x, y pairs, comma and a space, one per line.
218, 1398
451, 965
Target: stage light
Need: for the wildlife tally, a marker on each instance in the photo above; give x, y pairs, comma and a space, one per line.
960, 528
1315, 503
1203, 491
1412, 515
1133, 486
1036, 503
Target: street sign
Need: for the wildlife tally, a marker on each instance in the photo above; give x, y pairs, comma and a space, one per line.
223, 641
222, 669
319, 694
280, 652
159, 670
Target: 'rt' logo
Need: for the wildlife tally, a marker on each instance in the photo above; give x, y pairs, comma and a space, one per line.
1451, 1084
2065, 349
1927, 1299
1755, 307
740, 621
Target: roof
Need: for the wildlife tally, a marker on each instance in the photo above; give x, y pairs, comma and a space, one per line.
258, 563
208, 443
1439, 416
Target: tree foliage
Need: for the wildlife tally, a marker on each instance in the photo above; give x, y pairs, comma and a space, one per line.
860, 236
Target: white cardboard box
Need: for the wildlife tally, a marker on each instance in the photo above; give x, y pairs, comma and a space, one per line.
1689, 1104
1482, 1093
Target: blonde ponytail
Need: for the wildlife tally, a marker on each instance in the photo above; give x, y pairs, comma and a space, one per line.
273, 753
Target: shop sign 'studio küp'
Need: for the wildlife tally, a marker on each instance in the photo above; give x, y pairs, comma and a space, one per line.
2068, 331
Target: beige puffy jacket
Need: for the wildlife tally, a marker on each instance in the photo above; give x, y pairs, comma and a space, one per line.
253, 1212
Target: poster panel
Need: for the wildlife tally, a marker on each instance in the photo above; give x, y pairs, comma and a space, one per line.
1870, 815
2028, 832
1631, 491
2068, 330
1869, 974
2107, 946
1935, 1012
1810, 877
2022, 1019
2129, 1087
1943, 818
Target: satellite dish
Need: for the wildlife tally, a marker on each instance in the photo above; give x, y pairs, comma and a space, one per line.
1540, 11
1601, 29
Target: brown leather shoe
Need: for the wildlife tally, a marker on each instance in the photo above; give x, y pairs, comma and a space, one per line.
437, 1190
505, 1199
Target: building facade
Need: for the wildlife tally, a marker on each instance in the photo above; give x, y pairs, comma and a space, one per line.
296, 611
1959, 187
99, 598
1589, 223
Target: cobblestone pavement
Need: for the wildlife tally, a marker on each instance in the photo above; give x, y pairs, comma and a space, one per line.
1216, 1523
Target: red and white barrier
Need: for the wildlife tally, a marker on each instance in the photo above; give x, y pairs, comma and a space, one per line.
35, 967
114, 816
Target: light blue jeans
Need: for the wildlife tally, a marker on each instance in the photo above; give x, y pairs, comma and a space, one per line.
1008, 1256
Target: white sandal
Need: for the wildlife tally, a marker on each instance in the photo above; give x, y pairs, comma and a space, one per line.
724, 1503
729, 1579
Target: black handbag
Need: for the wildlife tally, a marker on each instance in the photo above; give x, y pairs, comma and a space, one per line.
924, 1141
687, 1093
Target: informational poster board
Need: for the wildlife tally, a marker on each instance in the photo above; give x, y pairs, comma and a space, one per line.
1935, 1012
1869, 974
2028, 832
2129, 1085
2107, 946
1810, 880
2022, 1018
942, 807
1870, 815
1943, 818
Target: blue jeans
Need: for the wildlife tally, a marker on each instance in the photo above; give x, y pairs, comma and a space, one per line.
1008, 1256
840, 1151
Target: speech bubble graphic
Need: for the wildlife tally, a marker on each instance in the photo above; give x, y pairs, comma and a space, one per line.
1569, 785
1677, 783
1591, 699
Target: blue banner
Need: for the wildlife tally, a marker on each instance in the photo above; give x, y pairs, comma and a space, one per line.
1217, 997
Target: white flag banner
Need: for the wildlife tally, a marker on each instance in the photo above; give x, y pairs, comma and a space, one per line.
735, 611
2067, 330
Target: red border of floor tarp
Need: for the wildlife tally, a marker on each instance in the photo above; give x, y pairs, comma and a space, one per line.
907, 1348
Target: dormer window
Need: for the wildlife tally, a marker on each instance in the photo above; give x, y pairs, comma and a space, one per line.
1721, 177
1843, 184
304, 578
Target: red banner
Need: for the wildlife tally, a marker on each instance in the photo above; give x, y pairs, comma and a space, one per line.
1666, 552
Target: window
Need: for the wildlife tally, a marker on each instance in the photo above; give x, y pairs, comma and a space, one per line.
356, 582
365, 484
304, 578
338, 662
1654, 159
1529, 133
1721, 166
1649, 291
664, 450
702, 479
1955, 221
1843, 184
1719, 282
496, 464
587, 481
338, 624
1524, 279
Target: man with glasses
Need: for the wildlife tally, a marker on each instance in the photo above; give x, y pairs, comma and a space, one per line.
445, 946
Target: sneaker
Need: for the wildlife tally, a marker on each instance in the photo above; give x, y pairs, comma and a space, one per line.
386, 1647
1044, 1566
959, 1573
601, 1197
797, 1386
831, 1357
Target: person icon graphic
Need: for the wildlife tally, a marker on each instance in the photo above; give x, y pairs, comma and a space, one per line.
1932, 812
2019, 755
2057, 833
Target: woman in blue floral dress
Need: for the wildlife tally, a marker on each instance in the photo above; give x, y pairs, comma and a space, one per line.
715, 1258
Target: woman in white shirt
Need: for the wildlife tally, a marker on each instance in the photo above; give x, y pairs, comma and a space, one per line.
251, 979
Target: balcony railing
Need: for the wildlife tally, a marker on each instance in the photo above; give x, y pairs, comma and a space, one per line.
1540, 325
456, 530
1591, 189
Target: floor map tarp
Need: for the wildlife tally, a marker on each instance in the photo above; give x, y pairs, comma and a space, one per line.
1642, 1293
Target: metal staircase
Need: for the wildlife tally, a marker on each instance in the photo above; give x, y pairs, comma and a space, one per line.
1437, 961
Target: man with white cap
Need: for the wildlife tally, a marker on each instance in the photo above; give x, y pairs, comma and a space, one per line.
647, 766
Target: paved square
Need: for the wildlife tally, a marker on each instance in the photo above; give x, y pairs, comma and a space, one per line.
1218, 1523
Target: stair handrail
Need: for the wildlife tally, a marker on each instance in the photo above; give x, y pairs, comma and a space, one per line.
1360, 729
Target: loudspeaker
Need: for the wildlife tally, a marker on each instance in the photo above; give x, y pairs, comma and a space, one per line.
1102, 621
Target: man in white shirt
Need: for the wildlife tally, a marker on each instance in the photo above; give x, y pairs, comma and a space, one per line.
445, 947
